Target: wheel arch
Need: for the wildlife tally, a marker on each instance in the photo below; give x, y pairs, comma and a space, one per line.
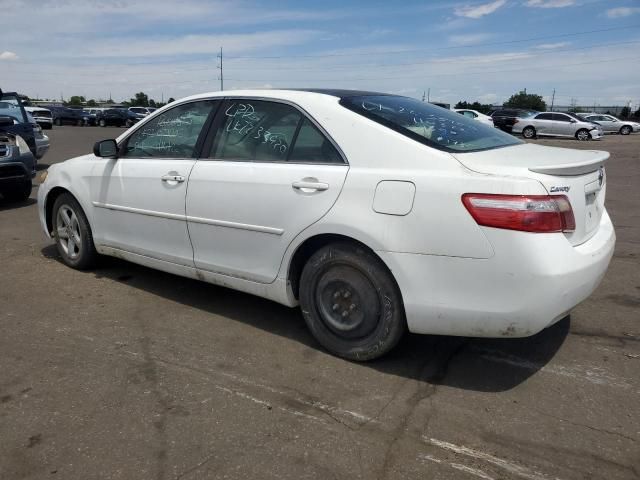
309, 246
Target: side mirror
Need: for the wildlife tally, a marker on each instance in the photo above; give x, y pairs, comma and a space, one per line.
106, 149
573, 121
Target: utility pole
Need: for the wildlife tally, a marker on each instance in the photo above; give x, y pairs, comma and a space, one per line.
553, 98
429, 94
423, 94
221, 72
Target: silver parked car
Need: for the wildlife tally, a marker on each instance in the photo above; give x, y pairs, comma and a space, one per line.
557, 125
611, 124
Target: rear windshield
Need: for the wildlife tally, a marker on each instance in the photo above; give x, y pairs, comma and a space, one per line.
429, 124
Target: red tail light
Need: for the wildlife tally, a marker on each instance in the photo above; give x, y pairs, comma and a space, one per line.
526, 213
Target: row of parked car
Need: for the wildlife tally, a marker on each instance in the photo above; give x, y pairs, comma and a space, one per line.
119, 117
531, 124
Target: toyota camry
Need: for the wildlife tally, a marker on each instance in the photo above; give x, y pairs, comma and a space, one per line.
375, 213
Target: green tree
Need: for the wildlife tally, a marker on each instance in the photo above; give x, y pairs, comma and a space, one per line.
76, 100
171, 99
152, 103
625, 112
140, 100
526, 100
92, 103
477, 106
637, 114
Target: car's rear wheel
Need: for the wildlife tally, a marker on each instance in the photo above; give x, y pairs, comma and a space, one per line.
625, 130
19, 192
529, 132
128, 123
351, 303
583, 135
58, 122
102, 122
79, 123
72, 233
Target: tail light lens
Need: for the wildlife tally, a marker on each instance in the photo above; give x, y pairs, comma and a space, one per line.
526, 213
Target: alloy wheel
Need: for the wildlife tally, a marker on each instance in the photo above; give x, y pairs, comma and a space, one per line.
68, 231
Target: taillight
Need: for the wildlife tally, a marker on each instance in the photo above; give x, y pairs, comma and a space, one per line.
526, 213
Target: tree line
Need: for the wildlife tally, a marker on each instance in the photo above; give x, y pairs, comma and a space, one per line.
140, 99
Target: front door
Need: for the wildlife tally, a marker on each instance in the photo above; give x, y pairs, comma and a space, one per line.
271, 173
563, 125
139, 198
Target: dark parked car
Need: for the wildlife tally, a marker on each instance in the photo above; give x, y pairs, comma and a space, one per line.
505, 118
67, 116
118, 117
17, 163
11, 106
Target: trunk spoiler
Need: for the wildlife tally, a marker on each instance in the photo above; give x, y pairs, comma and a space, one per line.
575, 168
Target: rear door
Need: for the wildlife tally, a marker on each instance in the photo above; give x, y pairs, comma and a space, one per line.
272, 172
544, 124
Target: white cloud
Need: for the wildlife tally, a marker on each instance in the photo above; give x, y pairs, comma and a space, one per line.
550, 3
622, 12
552, 46
477, 11
468, 38
8, 56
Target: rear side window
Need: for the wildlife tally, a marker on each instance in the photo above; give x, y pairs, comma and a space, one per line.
428, 124
544, 116
262, 131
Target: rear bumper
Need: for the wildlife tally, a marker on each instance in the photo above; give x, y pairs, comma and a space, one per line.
532, 281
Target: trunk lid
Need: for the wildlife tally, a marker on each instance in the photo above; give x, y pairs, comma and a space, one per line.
578, 174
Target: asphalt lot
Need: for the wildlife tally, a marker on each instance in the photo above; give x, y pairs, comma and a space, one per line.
128, 373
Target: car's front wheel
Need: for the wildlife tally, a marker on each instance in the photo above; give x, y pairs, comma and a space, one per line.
351, 303
626, 130
583, 135
72, 233
529, 132
102, 122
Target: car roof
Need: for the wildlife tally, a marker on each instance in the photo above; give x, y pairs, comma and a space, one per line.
285, 93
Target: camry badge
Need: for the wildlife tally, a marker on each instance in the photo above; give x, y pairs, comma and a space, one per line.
559, 189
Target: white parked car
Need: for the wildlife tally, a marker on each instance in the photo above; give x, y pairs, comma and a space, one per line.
611, 124
474, 114
42, 116
554, 124
375, 213
42, 140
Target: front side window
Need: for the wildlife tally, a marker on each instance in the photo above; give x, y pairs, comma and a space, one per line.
262, 131
173, 134
561, 118
428, 124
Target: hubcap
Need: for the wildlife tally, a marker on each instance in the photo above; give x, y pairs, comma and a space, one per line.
583, 135
68, 231
347, 302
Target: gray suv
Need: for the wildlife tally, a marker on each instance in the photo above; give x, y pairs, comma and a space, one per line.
557, 125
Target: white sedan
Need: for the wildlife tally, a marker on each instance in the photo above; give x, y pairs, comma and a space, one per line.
375, 213
474, 114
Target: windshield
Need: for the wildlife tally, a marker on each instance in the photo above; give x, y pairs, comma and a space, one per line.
10, 106
429, 124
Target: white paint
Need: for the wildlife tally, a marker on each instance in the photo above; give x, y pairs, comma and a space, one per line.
458, 466
510, 467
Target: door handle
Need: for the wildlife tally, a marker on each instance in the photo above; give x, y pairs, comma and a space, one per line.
309, 185
172, 178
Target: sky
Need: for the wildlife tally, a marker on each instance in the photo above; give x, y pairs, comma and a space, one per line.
587, 50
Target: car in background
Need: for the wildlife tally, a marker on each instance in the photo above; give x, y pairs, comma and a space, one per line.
611, 124
349, 204
17, 162
42, 116
117, 117
481, 117
42, 140
144, 111
11, 106
67, 116
555, 124
504, 118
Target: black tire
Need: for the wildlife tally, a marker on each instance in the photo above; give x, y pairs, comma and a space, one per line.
625, 130
529, 132
583, 135
79, 123
85, 255
58, 122
102, 122
128, 123
351, 303
18, 193
47, 126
